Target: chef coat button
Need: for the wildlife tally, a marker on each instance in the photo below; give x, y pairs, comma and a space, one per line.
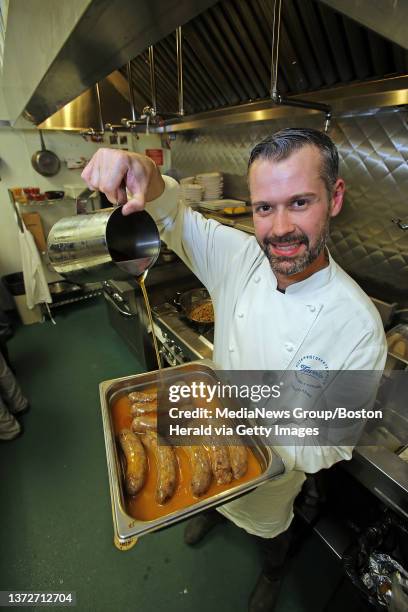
312, 308
289, 347
231, 349
257, 279
240, 315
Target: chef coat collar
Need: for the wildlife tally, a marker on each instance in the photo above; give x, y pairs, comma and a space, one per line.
314, 282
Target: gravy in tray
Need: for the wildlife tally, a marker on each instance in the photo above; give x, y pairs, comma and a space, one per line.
144, 506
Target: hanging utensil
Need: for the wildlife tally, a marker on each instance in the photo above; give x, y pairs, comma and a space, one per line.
45, 162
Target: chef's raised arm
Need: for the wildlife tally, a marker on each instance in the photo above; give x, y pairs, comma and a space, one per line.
204, 245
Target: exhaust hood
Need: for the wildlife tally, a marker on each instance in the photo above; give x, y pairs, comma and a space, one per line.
386, 17
108, 34
226, 49
88, 112
227, 57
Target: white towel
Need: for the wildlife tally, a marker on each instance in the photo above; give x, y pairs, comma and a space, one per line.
36, 286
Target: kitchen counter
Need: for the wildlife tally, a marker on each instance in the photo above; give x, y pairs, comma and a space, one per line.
242, 222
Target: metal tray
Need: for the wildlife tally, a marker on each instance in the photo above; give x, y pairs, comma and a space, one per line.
125, 526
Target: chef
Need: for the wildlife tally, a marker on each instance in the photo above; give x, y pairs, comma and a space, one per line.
281, 302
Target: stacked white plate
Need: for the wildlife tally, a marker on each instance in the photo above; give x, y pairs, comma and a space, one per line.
191, 192
212, 183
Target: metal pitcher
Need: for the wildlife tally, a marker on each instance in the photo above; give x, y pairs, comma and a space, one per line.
103, 245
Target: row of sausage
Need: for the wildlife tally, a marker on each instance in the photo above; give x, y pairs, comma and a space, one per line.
221, 463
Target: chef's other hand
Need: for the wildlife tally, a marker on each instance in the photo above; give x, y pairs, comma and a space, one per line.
112, 171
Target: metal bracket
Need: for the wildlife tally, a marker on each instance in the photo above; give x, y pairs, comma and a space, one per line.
274, 93
96, 134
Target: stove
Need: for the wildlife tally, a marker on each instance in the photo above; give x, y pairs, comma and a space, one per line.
180, 341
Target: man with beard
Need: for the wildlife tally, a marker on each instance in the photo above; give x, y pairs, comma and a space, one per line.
281, 302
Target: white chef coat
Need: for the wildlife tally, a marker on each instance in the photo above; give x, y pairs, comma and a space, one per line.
326, 318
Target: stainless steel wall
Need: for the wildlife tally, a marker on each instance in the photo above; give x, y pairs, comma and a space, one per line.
374, 154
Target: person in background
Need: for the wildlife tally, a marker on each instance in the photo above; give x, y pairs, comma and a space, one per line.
12, 402
281, 302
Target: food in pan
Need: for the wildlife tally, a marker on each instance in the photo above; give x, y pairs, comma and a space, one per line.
239, 460
220, 464
147, 422
143, 396
201, 475
159, 480
235, 210
202, 313
140, 408
166, 467
136, 461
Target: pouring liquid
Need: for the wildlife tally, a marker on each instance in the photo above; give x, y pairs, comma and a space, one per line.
141, 282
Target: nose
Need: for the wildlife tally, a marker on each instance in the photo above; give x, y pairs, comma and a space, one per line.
282, 223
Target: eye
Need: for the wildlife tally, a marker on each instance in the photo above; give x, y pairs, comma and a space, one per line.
301, 203
263, 209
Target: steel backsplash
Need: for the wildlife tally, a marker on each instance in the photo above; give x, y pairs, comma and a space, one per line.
373, 150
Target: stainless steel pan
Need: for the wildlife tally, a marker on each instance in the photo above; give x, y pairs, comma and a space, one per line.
187, 302
45, 162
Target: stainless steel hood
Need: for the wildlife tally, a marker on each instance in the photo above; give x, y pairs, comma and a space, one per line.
108, 34
89, 112
386, 17
226, 55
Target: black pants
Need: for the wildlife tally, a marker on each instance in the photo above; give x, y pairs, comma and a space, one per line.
274, 554
274, 551
5, 353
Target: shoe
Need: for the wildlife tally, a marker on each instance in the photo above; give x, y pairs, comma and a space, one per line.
21, 411
198, 527
265, 594
11, 430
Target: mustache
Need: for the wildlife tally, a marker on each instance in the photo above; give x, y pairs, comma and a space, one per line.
288, 238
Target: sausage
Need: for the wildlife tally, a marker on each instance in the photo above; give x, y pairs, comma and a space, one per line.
142, 397
201, 469
136, 461
141, 424
140, 408
166, 467
220, 464
239, 460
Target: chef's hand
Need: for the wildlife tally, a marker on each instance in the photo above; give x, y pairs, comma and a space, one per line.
112, 171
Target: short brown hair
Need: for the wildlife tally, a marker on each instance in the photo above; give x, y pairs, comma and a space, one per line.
282, 144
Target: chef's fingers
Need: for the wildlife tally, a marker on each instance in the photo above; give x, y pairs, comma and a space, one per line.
111, 174
112, 171
137, 181
134, 204
121, 195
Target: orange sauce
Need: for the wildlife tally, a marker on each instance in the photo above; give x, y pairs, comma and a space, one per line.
141, 281
143, 506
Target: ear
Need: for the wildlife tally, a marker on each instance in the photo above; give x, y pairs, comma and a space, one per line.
337, 198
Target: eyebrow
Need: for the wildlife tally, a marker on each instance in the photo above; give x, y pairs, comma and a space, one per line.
296, 196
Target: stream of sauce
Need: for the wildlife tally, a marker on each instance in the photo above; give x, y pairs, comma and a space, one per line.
141, 282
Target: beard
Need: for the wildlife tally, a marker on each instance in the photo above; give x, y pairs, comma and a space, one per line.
288, 266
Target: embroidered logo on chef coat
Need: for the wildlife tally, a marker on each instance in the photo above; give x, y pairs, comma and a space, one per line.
312, 371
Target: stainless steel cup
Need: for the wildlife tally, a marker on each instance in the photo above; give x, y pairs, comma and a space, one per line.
103, 245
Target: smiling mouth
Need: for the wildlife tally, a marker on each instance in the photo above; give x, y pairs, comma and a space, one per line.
286, 249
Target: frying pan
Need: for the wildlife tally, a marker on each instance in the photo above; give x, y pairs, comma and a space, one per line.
45, 162
191, 299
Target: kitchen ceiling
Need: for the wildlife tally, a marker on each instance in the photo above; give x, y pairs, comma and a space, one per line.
227, 55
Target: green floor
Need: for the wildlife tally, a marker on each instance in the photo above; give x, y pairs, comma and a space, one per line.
55, 513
